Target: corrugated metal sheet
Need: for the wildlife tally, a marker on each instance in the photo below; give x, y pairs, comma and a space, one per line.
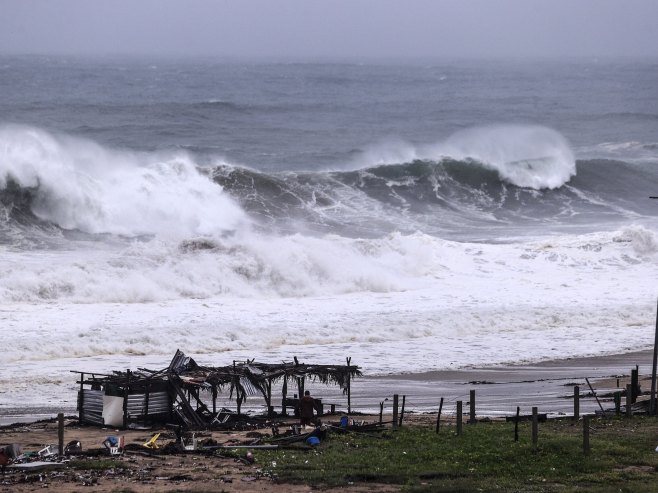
159, 403
92, 406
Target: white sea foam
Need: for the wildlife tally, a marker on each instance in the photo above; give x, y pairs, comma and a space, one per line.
82, 185
405, 303
524, 155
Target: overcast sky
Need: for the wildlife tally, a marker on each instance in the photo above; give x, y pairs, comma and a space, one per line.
308, 29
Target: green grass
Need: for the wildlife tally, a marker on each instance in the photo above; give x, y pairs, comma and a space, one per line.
94, 464
484, 458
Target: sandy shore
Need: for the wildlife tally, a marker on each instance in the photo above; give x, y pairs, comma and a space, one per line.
547, 385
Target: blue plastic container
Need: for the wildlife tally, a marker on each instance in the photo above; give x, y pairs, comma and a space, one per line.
313, 441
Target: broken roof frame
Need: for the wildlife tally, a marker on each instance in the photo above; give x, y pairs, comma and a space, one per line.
174, 392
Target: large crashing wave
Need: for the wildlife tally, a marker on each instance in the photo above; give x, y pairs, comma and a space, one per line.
522, 155
79, 185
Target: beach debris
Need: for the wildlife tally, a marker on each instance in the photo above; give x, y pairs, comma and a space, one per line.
4, 460
191, 444
313, 441
13, 450
36, 466
152, 442
74, 447
114, 444
48, 451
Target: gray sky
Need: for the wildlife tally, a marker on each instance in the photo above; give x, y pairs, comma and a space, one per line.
310, 29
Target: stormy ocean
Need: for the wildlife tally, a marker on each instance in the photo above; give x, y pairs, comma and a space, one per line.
414, 216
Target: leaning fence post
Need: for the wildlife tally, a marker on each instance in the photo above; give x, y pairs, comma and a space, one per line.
459, 417
404, 398
585, 435
535, 428
471, 418
576, 403
438, 418
395, 410
381, 412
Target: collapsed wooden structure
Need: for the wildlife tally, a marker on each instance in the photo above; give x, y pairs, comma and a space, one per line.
175, 394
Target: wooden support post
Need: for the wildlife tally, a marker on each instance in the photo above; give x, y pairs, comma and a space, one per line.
270, 408
586, 435
395, 410
214, 400
349, 387
535, 428
381, 412
635, 384
81, 400
516, 424
438, 417
471, 418
576, 403
126, 392
284, 396
617, 396
459, 418
652, 402
60, 433
404, 398
629, 407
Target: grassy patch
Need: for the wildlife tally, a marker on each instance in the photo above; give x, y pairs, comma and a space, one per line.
485, 458
94, 464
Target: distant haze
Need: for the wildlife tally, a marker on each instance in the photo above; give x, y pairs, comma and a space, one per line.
308, 29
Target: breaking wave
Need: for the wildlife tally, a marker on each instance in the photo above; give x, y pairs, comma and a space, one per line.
522, 155
495, 178
76, 184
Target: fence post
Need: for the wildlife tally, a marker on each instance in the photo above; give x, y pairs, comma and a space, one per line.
471, 418
535, 428
438, 418
459, 417
381, 412
635, 384
60, 432
395, 410
404, 398
585, 435
576, 403
516, 424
